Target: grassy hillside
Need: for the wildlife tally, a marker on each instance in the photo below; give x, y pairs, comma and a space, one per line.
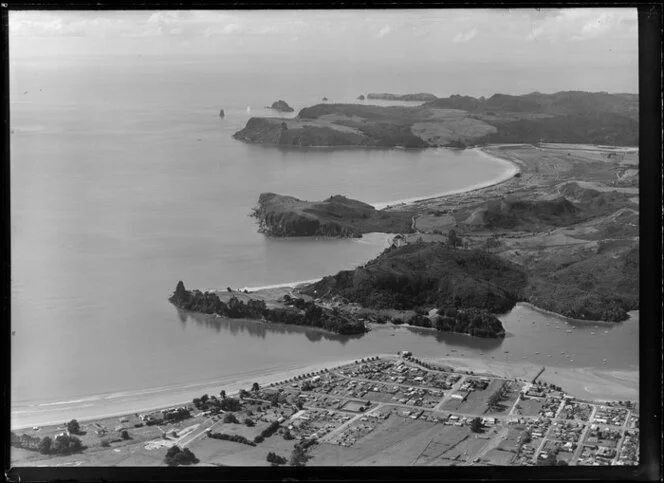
456, 121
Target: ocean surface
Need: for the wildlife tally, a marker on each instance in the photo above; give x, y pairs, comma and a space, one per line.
124, 180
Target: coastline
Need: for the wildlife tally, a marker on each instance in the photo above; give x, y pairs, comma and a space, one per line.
565, 318
171, 397
583, 382
511, 170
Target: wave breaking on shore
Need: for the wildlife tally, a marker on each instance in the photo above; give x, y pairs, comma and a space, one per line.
511, 170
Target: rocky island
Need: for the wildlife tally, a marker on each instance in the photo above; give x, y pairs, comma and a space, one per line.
337, 216
458, 121
281, 106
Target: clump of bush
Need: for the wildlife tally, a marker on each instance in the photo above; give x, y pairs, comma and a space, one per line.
235, 438
176, 456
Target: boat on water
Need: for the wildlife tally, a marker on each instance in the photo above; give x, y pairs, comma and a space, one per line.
248, 108
592, 333
569, 330
536, 352
606, 331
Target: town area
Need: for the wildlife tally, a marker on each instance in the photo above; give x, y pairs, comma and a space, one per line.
387, 410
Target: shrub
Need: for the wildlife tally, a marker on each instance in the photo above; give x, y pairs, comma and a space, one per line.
230, 418
275, 459
176, 456
476, 425
73, 427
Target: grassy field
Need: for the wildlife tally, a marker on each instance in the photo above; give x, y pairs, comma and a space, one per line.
396, 441
529, 407
215, 451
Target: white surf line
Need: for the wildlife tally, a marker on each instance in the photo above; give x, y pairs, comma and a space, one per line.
509, 174
282, 285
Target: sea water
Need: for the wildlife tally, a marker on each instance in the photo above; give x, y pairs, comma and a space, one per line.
125, 180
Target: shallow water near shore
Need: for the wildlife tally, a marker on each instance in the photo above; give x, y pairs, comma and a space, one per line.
121, 188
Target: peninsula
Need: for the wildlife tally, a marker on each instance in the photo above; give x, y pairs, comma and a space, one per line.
336, 216
561, 234
457, 121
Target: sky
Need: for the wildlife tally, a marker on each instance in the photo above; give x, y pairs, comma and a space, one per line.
576, 39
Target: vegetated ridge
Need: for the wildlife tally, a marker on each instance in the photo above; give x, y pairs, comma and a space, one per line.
457, 121
336, 216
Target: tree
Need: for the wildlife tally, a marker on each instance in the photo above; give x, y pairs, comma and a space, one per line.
66, 445
73, 427
298, 457
249, 422
275, 459
243, 393
526, 437
230, 418
255, 387
125, 435
476, 425
453, 239
222, 393
176, 456
45, 445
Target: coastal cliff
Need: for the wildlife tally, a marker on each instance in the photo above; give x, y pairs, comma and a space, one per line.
457, 121
337, 216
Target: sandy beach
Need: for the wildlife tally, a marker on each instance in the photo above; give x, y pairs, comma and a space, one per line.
151, 400
511, 170
583, 382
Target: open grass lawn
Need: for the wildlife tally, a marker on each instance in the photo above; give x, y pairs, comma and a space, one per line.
453, 405
511, 396
528, 407
214, 451
379, 397
395, 441
499, 457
